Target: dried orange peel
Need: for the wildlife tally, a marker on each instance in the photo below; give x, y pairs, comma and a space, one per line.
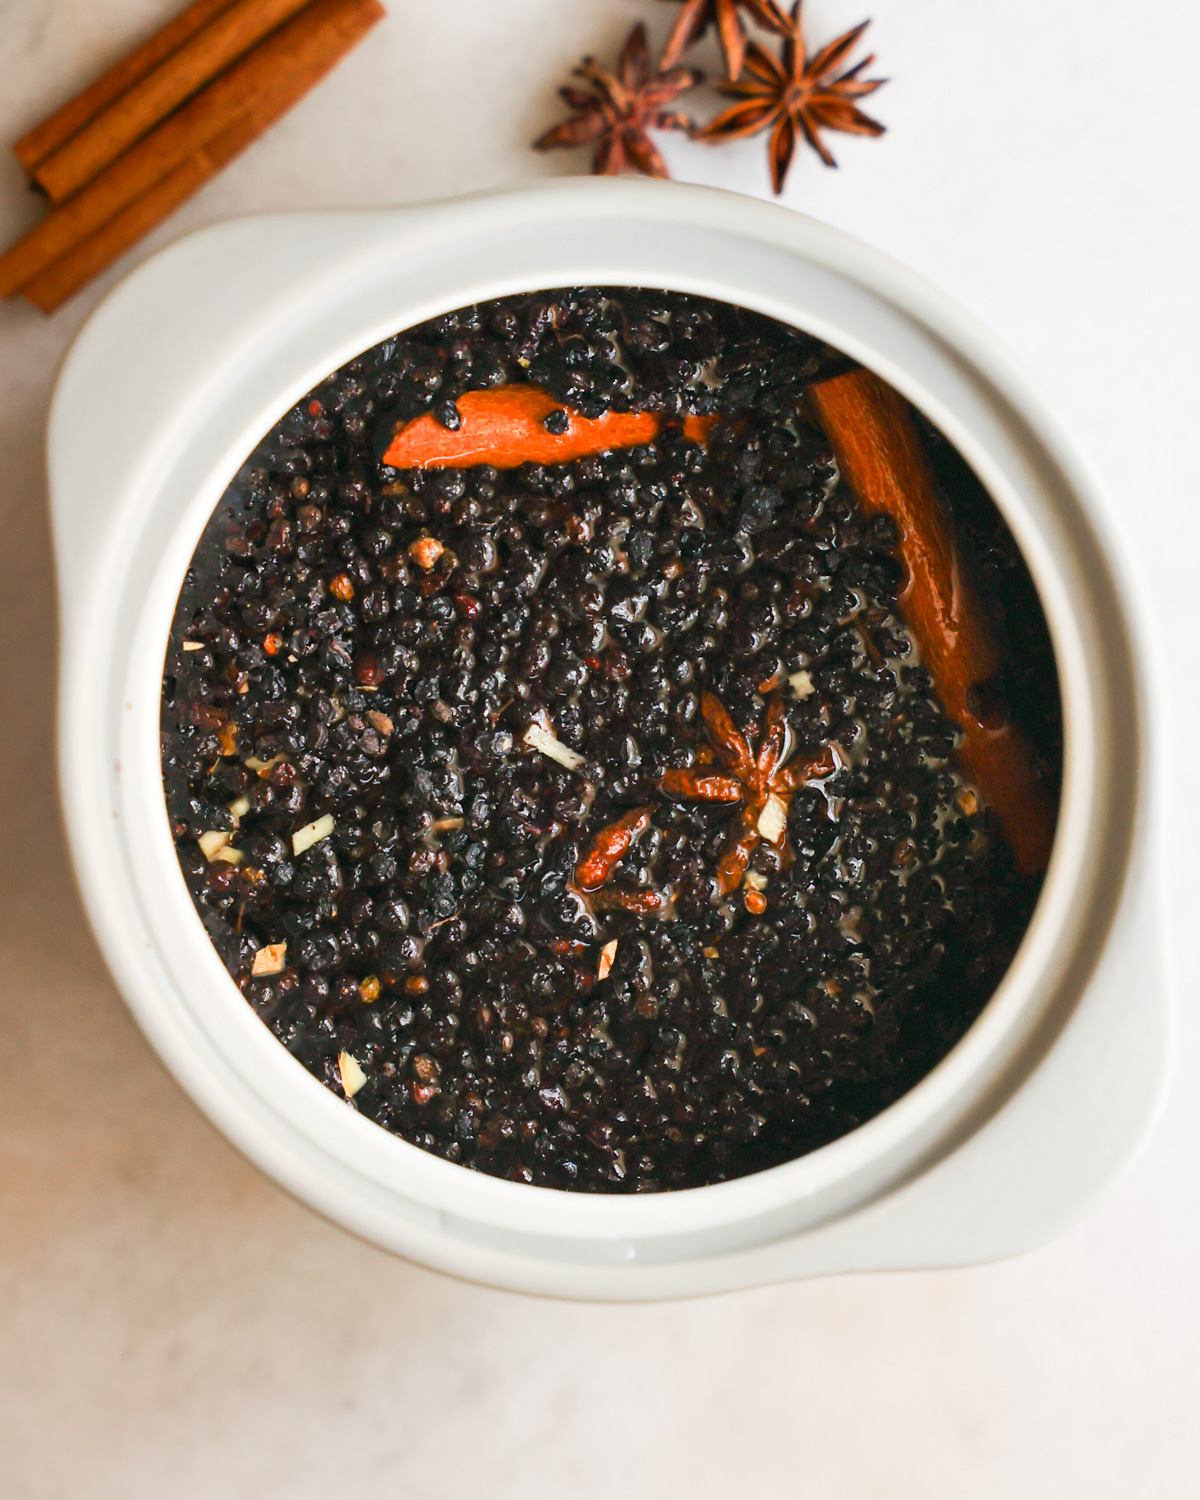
506, 427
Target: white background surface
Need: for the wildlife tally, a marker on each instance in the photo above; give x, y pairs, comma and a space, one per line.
170, 1323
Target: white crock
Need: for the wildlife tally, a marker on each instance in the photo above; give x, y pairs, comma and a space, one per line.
167, 389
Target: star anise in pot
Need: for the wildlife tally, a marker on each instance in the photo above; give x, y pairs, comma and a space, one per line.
620, 108
797, 95
697, 16
755, 778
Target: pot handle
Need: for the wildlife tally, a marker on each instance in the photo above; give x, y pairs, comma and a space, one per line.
152, 356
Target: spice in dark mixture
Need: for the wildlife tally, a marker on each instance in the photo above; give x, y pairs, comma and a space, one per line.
590, 825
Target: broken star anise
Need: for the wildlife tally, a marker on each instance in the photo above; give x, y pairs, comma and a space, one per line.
760, 781
607, 850
698, 15
797, 95
621, 108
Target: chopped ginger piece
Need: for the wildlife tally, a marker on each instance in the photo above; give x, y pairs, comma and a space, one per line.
352, 1075
538, 737
212, 842
263, 767
269, 960
607, 954
772, 821
312, 833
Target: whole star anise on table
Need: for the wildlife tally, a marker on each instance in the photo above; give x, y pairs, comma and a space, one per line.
797, 95
698, 15
760, 780
621, 107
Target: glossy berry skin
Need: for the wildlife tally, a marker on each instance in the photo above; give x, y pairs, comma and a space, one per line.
376, 645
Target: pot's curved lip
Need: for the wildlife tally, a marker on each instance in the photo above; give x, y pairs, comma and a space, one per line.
379, 270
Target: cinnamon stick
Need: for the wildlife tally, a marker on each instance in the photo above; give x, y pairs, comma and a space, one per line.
75, 114
226, 37
312, 36
506, 427
75, 269
880, 456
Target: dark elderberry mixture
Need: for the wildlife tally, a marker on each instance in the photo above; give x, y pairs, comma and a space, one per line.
400, 708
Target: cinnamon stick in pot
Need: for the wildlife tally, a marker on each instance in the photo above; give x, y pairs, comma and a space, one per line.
880, 456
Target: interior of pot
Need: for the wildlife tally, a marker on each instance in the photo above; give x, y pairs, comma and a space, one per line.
614, 797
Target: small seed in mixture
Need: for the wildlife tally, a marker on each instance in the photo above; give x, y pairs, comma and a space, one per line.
426, 551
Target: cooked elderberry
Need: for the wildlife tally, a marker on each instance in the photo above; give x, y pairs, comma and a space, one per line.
595, 824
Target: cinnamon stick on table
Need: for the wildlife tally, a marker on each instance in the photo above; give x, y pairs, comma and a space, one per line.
64, 123
226, 37
880, 456
79, 266
307, 43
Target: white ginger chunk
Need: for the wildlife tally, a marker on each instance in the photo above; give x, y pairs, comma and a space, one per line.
773, 819
353, 1076
538, 737
607, 954
212, 842
312, 833
269, 960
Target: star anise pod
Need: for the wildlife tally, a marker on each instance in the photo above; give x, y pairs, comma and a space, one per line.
797, 95
621, 107
756, 778
698, 15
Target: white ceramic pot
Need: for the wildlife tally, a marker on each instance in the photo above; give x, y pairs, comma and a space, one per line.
168, 388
